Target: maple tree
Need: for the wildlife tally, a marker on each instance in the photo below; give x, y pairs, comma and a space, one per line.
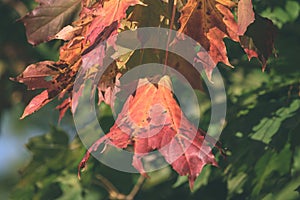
86, 38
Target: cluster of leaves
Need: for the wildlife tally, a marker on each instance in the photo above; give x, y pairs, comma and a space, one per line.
265, 123
206, 21
268, 118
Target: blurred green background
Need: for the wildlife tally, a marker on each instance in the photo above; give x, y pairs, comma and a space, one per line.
261, 138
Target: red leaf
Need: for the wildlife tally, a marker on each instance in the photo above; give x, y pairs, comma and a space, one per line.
105, 21
36, 103
96, 24
245, 15
152, 119
63, 107
35, 75
45, 74
208, 22
111, 11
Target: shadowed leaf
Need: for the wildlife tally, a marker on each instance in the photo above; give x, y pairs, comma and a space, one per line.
49, 18
258, 40
208, 22
38, 75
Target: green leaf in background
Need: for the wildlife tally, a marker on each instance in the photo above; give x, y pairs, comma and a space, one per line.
281, 15
52, 172
269, 126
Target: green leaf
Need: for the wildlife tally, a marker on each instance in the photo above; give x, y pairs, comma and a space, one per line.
72, 189
266, 129
270, 163
235, 184
51, 155
281, 15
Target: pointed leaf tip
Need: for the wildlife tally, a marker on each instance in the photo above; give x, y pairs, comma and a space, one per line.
83, 164
178, 140
36, 103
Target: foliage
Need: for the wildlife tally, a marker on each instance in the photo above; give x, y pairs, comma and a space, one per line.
260, 138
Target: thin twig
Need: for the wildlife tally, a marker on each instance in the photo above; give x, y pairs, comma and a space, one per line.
136, 188
108, 186
113, 191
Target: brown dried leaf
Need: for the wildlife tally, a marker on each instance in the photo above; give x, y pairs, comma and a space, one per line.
49, 18
38, 75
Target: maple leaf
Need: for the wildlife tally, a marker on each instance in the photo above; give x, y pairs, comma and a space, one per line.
36, 103
96, 24
150, 120
256, 33
38, 75
258, 40
208, 22
49, 18
45, 74
106, 14
106, 20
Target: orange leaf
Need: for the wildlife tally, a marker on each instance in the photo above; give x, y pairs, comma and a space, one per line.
96, 23
151, 120
111, 11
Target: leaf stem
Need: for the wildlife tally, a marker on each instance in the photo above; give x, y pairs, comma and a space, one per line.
113, 191
136, 187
